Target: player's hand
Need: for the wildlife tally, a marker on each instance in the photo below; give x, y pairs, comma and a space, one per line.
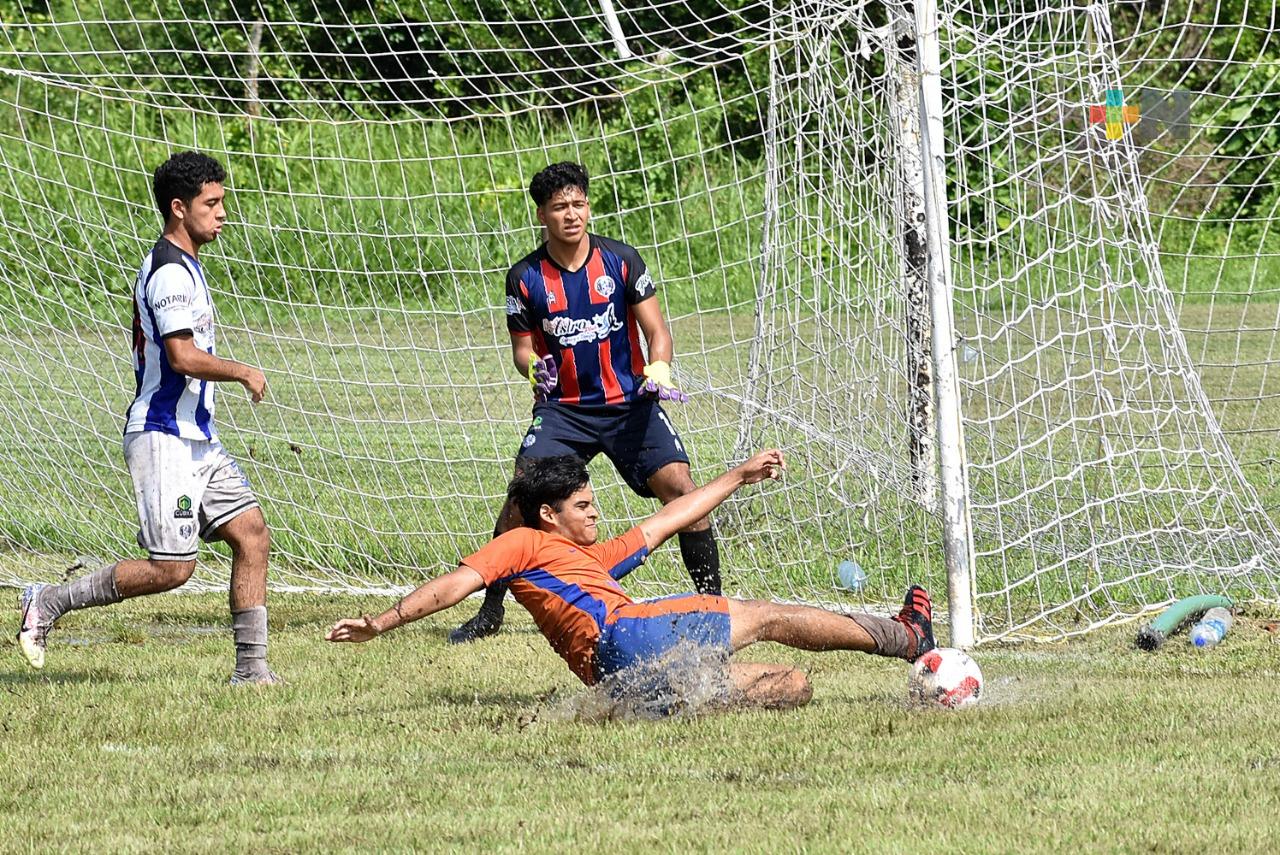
256, 382
657, 383
766, 464
543, 375
353, 629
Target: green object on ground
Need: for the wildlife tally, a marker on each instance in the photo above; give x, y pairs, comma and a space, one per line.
1181, 613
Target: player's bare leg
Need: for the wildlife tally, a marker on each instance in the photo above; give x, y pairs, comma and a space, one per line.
906, 636
698, 548
42, 605
250, 542
772, 687
488, 620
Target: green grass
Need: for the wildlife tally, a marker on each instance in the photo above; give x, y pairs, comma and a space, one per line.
129, 741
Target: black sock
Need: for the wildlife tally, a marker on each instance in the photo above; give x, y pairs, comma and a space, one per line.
494, 594
702, 559
493, 597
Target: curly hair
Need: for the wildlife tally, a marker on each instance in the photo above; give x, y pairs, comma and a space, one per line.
555, 178
182, 176
546, 481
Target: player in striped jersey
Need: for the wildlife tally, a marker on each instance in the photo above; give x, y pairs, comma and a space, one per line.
185, 485
577, 307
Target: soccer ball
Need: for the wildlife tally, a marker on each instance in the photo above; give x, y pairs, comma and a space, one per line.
945, 677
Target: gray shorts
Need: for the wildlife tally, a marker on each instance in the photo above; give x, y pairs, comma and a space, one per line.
184, 489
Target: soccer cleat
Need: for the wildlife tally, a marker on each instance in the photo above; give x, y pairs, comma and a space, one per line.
266, 677
33, 630
487, 622
917, 617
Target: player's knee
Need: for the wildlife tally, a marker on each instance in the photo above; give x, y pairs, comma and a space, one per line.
797, 688
172, 574
779, 689
678, 486
250, 535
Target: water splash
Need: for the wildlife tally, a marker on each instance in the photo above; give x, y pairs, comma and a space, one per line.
688, 680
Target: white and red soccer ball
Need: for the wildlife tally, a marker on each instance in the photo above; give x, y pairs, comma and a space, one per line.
945, 677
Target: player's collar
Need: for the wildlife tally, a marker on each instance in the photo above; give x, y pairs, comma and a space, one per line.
591, 247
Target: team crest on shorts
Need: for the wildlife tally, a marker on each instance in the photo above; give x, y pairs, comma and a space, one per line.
529, 440
186, 530
183, 511
604, 286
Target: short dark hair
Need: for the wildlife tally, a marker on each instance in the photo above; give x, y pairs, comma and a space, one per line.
546, 481
182, 176
555, 178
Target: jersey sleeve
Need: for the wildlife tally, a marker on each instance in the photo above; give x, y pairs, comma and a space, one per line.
504, 556
639, 285
170, 295
519, 319
622, 554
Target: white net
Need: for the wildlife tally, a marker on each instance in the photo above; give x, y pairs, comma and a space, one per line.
1119, 324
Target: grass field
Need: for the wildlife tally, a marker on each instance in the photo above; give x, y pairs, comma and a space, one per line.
129, 741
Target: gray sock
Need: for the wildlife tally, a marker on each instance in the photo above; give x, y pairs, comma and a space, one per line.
249, 627
96, 589
890, 636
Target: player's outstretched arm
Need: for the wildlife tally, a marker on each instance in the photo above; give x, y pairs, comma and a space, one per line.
437, 595
185, 358
691, 507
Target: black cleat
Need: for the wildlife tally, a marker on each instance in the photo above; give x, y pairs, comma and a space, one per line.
917, 617
487, 622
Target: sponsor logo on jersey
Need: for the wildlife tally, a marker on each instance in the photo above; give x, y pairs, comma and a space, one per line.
171, 301
644, 285
604, 286
514, 306
571, 331
183, 511
551, 298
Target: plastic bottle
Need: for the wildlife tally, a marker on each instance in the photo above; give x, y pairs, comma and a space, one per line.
852, 577
1211, 628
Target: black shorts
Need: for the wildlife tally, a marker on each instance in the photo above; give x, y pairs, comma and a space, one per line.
637, 437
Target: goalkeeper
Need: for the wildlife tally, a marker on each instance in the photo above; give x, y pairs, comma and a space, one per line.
576, 309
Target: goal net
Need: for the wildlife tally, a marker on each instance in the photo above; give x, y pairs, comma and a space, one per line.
1114, 275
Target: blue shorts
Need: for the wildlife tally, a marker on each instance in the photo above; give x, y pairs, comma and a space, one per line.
637, 437
642, 632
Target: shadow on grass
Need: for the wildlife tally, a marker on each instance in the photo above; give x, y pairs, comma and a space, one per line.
461, 697
56, 678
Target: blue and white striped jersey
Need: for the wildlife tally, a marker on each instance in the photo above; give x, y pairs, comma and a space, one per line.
170, 296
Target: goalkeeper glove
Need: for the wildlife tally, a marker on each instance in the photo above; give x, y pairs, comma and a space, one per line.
658, 383
543, 375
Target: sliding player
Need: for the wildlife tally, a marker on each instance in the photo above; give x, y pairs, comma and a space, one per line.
568, 582
576, 308
185, 485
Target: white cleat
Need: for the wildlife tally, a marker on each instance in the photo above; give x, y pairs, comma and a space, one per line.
34, 629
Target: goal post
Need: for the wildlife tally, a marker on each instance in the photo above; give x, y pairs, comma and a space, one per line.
957, 542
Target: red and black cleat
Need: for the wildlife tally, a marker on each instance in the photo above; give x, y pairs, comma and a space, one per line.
917, 617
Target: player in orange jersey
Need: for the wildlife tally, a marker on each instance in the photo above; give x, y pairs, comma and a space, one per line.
568, 581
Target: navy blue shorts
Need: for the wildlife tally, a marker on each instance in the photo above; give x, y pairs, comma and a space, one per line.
637, 437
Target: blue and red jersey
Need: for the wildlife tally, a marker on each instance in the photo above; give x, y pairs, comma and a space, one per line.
583, 319
570, 590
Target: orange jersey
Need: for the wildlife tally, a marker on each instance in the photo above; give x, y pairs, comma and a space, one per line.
570, 590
